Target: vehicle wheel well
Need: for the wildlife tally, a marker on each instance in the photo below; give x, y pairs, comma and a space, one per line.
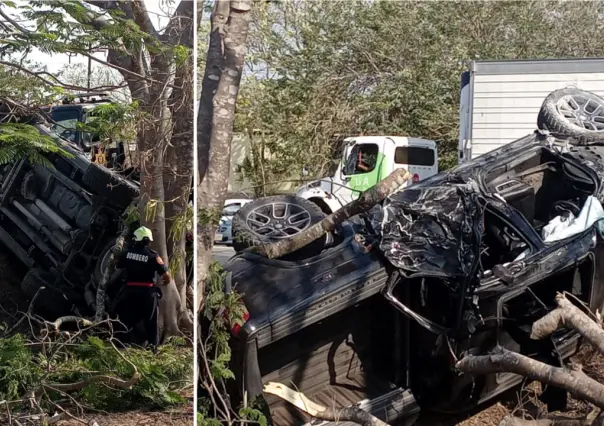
322, 205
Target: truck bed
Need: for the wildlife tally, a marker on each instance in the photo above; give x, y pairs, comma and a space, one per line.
334, 363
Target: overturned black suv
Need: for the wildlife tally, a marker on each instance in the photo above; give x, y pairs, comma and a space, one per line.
61, 221
457, 264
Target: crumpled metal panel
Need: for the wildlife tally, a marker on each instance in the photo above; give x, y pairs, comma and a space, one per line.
433, 230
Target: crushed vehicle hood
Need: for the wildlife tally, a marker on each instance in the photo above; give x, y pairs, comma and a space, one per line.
433, 230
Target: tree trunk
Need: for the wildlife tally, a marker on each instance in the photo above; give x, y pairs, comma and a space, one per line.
570, 316
366, 201
178, 174
220, 86
151, 77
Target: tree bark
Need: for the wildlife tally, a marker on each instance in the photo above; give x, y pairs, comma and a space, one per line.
178, 167
219, 90
515, 421
576, 382
302, 403
569, 315
366, 201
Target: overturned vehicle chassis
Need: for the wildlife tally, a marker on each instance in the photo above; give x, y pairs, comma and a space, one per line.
467, 261
61, 220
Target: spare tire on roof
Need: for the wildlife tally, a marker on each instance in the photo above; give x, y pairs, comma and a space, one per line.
573, 114
270, 219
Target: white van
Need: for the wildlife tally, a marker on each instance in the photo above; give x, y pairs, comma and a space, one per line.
366, 160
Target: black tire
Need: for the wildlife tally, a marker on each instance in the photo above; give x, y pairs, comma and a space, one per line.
573, 114
116, 189
103, 257
244, 236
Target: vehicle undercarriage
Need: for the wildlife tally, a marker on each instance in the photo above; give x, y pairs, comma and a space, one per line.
460, 264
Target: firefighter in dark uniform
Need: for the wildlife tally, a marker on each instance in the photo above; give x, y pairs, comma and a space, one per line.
140, 298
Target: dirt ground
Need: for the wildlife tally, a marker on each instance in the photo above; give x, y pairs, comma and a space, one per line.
182, 417
524, 402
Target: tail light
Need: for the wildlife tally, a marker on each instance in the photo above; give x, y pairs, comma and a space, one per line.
415, 178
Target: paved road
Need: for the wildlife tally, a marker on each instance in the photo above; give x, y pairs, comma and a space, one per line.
222, 253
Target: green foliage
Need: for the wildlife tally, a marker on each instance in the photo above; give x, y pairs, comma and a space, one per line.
222, 311
19, 368
181, 54
70, 26
219, 313
19, 141
253, 415
181, 224
132, 215
323, 70
23, 368
112, 122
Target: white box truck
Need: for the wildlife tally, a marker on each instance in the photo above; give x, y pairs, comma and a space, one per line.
500, 100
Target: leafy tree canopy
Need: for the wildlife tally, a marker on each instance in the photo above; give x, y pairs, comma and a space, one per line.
321, 70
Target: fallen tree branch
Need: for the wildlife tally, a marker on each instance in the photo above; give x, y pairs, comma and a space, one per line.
104, 379
301, 402
107, 380
366, 200
501, 360
571, 316
56, 324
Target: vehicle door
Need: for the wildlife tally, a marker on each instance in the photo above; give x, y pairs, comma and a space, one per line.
514, 293
361, 170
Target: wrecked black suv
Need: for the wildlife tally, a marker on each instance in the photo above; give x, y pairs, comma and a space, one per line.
458, 264
61, 221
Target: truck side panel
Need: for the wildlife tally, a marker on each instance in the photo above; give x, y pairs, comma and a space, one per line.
506, 96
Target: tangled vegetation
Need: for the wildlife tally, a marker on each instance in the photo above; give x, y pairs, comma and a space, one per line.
323, 70
220, 312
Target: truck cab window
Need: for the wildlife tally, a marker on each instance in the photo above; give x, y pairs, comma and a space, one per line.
362, 159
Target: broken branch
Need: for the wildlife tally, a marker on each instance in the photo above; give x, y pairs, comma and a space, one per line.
366, 200
56, 325
301, 402
503, 361
569, 315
